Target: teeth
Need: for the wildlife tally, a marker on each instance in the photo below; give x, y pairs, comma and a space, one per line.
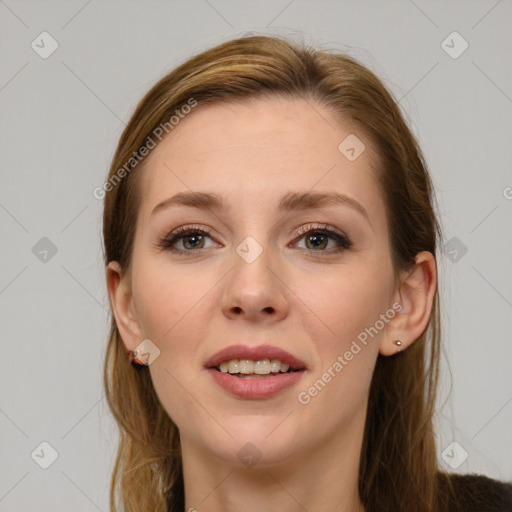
248, 367
233, 366
262, 367
275, 366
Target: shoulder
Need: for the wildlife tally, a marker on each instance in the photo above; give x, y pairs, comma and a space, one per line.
476, 493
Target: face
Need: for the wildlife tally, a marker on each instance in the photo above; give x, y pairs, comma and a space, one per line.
313, 279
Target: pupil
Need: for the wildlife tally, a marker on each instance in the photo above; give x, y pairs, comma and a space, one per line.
188, 238
317, 238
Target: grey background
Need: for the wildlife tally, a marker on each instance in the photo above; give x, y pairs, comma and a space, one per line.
60, 120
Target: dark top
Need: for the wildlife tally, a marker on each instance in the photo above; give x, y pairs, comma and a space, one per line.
478, 493
471, 493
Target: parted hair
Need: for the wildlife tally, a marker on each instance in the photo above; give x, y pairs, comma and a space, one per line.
398, 467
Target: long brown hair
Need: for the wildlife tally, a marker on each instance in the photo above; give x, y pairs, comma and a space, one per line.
398, 466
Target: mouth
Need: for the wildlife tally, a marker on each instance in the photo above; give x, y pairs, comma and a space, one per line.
259, 372
263, 360
248, 369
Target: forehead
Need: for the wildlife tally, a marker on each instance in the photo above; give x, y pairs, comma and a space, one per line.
252, 152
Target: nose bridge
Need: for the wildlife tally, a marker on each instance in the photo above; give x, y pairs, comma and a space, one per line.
252, 265
254, 245
253, 287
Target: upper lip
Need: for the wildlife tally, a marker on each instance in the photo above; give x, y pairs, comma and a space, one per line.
254, 354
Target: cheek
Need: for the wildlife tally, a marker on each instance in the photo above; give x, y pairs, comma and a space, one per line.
165, 298
344, 308
338, 386
169, 308
342, 304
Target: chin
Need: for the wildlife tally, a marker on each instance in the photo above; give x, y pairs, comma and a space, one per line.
256, 445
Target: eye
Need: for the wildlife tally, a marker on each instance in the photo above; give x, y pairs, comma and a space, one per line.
317, 238
192, 238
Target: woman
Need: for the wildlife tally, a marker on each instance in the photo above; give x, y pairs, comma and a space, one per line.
270, 241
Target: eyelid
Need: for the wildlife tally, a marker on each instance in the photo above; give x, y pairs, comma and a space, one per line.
190, 227
318, 226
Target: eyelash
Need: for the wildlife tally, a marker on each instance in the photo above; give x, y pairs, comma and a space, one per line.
344, 243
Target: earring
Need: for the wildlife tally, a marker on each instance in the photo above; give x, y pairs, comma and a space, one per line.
138, 365
398, 344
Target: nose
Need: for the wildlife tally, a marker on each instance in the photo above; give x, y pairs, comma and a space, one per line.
255, 289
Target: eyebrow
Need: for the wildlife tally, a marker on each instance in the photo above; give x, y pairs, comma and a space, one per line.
289, 202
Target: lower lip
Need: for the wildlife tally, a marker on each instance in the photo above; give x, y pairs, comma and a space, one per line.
262, 387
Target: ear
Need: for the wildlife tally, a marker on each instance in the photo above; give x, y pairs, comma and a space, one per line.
121, 302
415, 293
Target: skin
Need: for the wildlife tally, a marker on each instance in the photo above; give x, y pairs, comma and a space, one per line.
192, 305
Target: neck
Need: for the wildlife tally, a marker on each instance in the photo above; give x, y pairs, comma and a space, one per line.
325, 477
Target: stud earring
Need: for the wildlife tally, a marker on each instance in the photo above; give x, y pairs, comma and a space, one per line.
136, 363
398, 344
